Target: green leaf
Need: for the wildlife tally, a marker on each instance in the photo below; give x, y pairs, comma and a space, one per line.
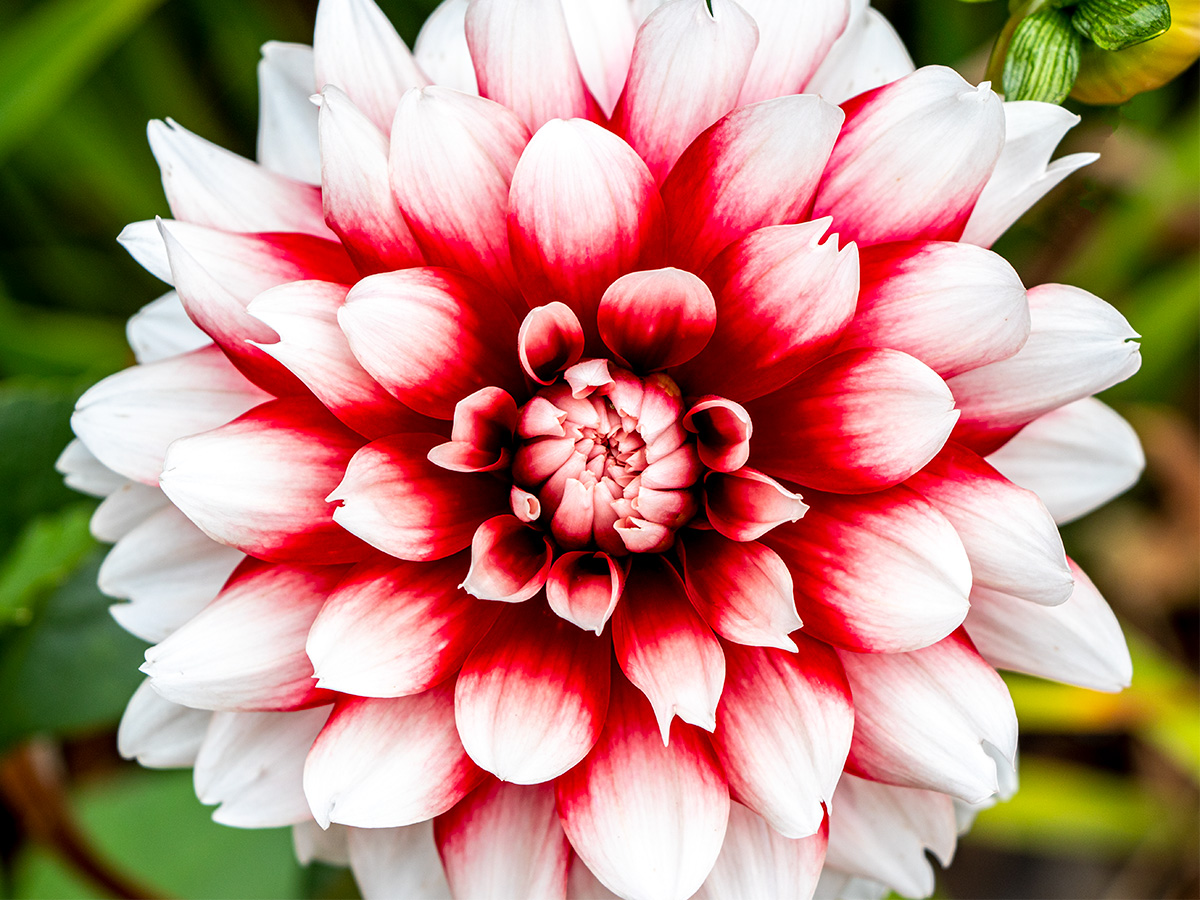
72, 668
35, 424
49, 549
50, 342
46, 54
1043, 58
1117, 24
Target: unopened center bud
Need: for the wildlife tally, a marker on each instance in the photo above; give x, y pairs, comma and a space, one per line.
605, 460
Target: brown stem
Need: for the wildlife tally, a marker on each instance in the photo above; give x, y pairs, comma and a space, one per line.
32, 785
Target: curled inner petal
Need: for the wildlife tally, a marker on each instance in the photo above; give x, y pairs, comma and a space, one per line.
607, 460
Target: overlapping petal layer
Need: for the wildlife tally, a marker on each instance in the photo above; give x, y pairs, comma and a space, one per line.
579, 373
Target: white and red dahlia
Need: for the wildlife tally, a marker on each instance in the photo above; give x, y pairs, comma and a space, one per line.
584, 457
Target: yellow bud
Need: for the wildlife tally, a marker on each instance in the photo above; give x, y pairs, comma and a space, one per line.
1114, 76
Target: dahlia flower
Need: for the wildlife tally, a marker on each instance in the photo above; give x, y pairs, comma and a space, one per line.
581, 456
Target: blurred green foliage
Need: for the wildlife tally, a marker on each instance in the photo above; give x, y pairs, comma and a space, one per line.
83, 76
129, 817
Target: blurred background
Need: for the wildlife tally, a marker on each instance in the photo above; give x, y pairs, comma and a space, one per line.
1108, 806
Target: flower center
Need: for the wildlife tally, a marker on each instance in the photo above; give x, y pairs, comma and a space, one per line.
605, 461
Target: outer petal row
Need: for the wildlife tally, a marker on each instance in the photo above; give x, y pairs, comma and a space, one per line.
912, 158
649, 820
688, 61
1078, 345
858, 421
260, 482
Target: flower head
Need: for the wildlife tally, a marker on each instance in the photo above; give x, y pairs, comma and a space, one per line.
579, 452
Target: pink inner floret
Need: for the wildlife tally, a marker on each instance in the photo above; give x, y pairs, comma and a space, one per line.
608, 458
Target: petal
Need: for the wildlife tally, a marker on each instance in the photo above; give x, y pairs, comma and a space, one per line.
524, 59
503, 841
583, 885
687, 70
782, 297
82, 472
452, 159
584, 588
313, 347
666, 649
168, 569
868, 54
1078, 346
260, 483
525, 506
1075, 458
585, 377
532, 695
251, 764
834, 884
359, 51
393, 628
160, 734
129, 419
509, 561
915, 293
572, 524
441, 49
562, 255
287, 120
397, 862
162, 328
356, 190
125, 509
793, 39
431, 337
314, 844
647, 819
384, 763
1024, 173
550, 340
245, 650
482, 434
758, 166
1008, 533
602, 33
486, 419
746, 504
242, 264
398, 501
783, 732
223, 317
921, 718
1078, 642
652, 320
881, 832
758, 861
207, 185
722, 430
912, 158
742, 589
859, 421
882, 572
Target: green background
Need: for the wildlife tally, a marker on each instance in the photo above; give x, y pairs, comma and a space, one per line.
1108, 805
